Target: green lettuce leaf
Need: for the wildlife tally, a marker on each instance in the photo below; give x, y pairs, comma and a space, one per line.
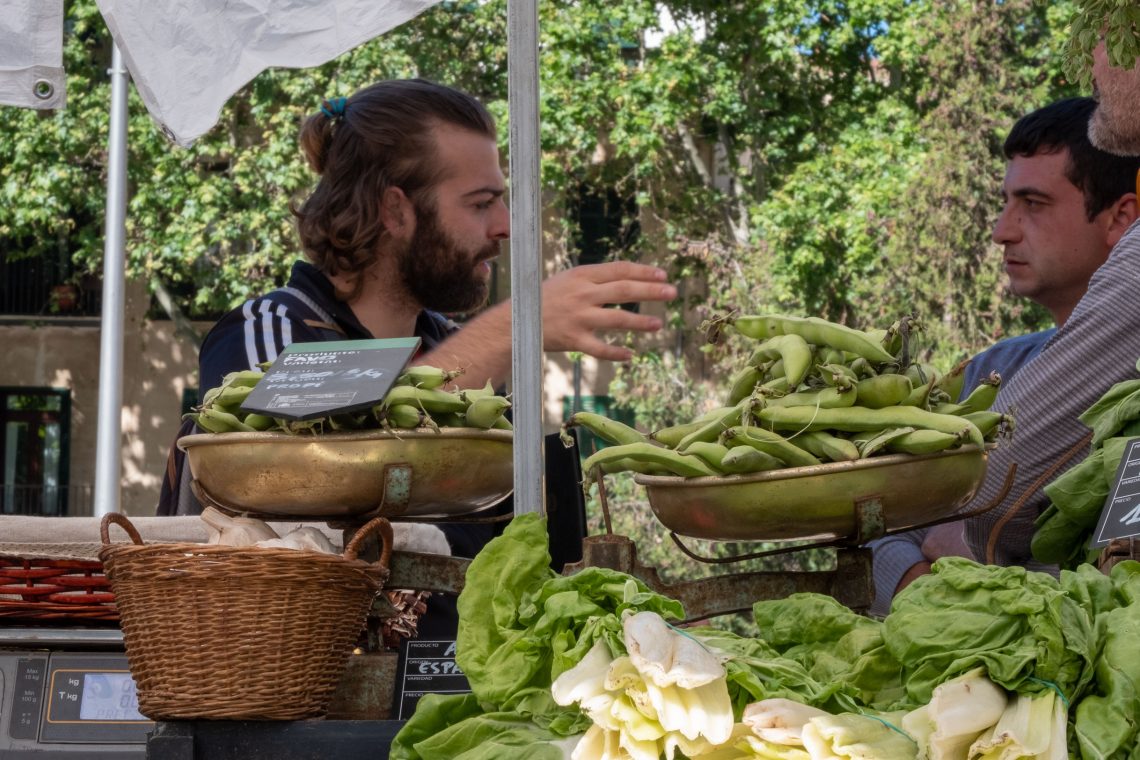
1105, 721
835, 645
1020, 626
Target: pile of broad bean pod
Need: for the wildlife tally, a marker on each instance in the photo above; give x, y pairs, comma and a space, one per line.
811, 391
419, 398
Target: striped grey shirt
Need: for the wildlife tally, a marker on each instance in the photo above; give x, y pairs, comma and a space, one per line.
1097, 347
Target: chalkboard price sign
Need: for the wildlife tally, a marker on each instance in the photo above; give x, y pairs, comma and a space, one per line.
426, 667
311, 380
1120, 517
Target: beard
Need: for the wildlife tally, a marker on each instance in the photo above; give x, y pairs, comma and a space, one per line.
1115, 124
440, 274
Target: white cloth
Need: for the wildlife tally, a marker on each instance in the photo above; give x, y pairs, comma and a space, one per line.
187, 57
31, 54
79, 536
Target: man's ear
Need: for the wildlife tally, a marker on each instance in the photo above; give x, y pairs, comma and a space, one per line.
396, 211
1122, 214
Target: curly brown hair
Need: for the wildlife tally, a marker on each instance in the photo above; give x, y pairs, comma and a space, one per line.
378, 138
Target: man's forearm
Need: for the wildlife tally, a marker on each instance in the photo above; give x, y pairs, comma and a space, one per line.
482, 349
894, 556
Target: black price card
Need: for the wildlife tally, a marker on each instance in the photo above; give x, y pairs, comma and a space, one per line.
318, 379
1120, 517
426, 667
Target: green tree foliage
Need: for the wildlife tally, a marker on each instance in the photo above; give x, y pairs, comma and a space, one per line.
830, 157
980, 71
1118, 21
212, 221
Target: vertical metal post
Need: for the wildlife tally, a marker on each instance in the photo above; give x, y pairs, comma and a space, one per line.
526, 254
109, 447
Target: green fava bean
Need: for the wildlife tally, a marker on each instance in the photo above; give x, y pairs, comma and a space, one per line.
741, 460
679, 464
878, 442
857, 418
711, 453
743, 384
882, 391
827, 446
793, 350
923, 442
610, 431
816, 331
770, 443
673, 435
825, 398
982, 397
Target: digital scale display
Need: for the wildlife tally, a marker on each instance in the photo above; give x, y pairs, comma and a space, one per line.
109, 696
83, 695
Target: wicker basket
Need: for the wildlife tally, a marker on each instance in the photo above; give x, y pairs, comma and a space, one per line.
239, 633
55, 589
1117, 551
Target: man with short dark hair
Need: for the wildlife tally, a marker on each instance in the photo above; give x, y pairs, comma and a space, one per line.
1066, 205
1097, 347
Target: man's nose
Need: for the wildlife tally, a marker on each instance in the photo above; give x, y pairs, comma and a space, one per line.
1006, 229
500, 228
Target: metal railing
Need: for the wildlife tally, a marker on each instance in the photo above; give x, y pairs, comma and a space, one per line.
36, 287
48, 501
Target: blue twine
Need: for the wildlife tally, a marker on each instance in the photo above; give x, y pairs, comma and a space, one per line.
334, 107
1052, 686
888, 724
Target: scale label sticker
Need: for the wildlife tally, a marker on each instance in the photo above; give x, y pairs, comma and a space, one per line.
1120, 517
28, 691
427, 667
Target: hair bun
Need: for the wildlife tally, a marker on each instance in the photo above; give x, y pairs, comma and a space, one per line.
315, 138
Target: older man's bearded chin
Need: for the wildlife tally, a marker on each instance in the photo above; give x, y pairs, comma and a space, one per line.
438, 273
1115, 124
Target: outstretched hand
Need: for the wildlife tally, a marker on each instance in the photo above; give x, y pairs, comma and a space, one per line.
575, 314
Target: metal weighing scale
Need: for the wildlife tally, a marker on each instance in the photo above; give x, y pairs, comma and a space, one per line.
67, 693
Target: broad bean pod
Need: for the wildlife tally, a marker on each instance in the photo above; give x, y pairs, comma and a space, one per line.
882, 390
827, 446
814, 330
923, 442
770, 443
610, 431
685, 465
792, 350
857, 418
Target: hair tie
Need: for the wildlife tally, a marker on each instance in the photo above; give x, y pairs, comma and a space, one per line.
334, 107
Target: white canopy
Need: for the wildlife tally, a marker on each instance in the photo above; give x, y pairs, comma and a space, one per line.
188, 58
31, 54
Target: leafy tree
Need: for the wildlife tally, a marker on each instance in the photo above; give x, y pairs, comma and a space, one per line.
982, 70
1118, 21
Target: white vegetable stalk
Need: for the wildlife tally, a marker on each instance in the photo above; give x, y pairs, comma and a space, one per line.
669, 693
958, 712
780, 721
745, 745
849, 736
1030, 727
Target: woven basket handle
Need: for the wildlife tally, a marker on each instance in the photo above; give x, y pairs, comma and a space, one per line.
380, 526
122, 522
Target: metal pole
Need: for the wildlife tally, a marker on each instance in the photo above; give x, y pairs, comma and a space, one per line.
526, 254
108, 447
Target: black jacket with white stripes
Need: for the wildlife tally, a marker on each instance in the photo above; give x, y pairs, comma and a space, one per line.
305, 310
